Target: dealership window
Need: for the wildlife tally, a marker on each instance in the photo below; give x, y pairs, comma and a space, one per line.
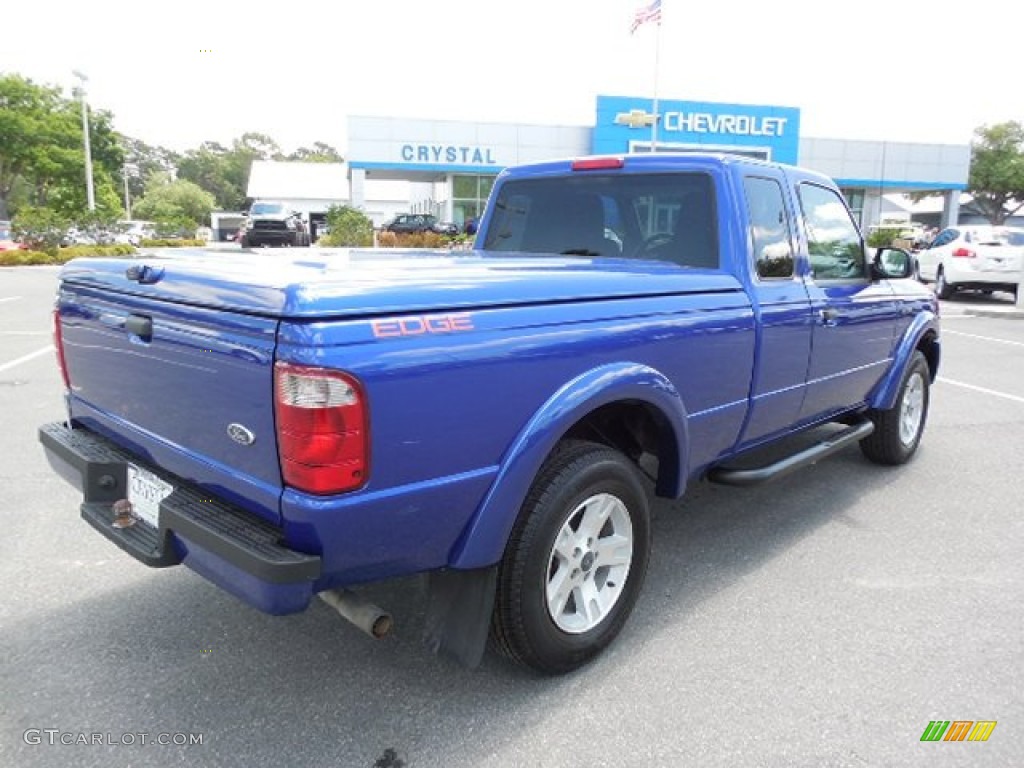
469, 195
855, 200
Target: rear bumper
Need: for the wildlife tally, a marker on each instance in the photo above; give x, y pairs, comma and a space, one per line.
972, 278
228, 546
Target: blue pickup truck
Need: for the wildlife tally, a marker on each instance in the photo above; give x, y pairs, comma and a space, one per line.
497, 419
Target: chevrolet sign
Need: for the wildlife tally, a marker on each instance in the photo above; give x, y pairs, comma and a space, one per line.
636, 118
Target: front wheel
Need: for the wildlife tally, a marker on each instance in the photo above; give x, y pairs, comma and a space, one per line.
898, 430
575, 560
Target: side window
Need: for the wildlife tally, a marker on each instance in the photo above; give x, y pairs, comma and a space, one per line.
944, 237
769, 228
834, 245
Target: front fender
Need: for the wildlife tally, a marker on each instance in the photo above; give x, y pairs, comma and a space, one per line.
884, 396
483, 541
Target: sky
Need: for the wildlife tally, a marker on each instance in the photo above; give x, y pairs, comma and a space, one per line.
179, 73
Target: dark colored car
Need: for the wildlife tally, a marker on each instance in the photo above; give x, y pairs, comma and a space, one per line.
405, 223
274, 224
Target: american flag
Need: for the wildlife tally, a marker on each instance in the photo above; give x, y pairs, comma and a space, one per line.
645, 14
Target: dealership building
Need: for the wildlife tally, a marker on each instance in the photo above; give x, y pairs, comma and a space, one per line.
447, 168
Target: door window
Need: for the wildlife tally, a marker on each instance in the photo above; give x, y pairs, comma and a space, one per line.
834, 245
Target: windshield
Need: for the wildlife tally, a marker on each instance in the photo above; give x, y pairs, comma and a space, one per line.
267, 208
666, 217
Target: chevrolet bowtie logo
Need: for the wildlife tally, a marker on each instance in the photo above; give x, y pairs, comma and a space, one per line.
636, 118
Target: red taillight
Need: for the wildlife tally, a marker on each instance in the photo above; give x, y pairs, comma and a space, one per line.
58, 343
597, 163
964, 253
322, 429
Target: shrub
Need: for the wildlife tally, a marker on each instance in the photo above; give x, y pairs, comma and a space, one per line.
350, 228
175, 243
412, 240
881, 238
85, 251
41, 229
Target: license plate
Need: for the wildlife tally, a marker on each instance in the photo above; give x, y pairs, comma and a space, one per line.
145, 492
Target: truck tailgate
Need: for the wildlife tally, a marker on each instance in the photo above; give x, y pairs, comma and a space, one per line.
190, 388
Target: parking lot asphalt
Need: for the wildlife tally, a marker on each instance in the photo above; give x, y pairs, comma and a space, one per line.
823, 620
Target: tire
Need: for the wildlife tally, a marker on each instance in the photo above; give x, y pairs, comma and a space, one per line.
586, 505
943, 289
898, 430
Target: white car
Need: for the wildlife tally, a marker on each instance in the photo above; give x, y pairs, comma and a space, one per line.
974, 257
134, 232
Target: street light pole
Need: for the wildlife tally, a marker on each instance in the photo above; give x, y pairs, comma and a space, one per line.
126, 171
90, 195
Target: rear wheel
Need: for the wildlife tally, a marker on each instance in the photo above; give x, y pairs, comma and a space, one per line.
898, 430
575, 561
943, 289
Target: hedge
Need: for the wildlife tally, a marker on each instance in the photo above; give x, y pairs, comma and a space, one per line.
20, 258
183, 243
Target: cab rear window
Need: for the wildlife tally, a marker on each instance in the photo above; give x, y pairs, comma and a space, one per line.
665, 217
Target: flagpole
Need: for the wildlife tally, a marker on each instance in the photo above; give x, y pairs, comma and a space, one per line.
657, 56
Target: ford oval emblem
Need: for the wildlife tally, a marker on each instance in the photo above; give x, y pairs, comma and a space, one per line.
241, 435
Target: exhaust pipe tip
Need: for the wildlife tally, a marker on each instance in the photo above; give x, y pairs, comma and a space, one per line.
370, 618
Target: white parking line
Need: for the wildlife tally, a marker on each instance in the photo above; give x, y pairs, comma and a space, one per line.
986, 338
983, 390
9, 298
26, 358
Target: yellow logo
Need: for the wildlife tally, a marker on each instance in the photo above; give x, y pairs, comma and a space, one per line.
636, 118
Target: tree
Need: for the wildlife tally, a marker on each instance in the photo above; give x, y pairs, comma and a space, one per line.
212, 168
171, 201
25, 109
996, 180
318, 153
142, 161
258, 146
42, 156
223, 172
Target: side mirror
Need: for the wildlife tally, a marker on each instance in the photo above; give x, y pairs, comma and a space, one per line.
892, 264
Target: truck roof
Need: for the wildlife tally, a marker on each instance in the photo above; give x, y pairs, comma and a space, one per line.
658, 162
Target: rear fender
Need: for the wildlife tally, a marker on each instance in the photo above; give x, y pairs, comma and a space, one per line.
884, 396
483, 541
